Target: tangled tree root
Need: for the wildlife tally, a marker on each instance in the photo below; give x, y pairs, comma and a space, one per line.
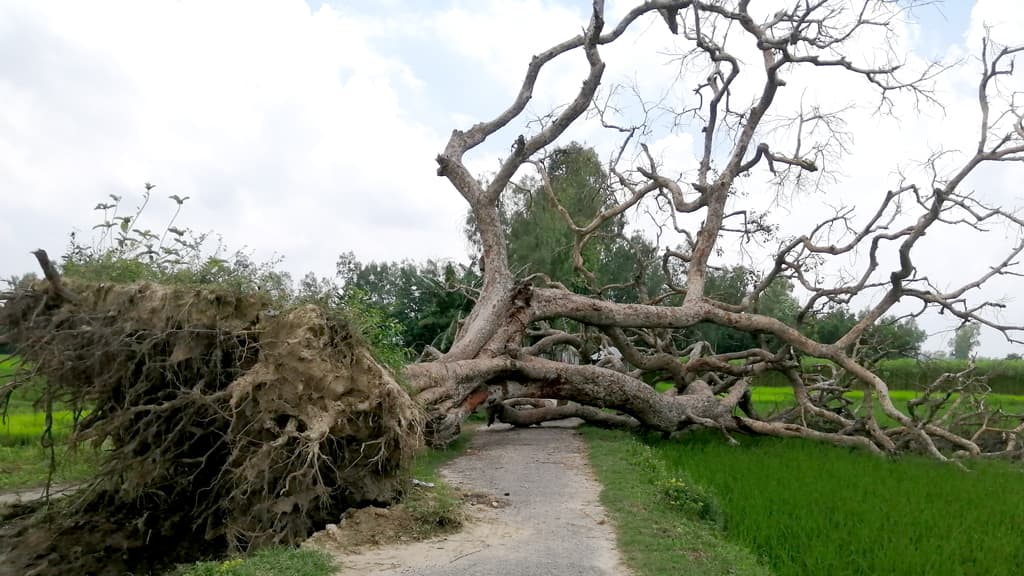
222, 429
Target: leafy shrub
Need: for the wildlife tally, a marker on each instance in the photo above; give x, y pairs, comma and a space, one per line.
383, 332
127, 251
680, 491
675, 488
1004, 376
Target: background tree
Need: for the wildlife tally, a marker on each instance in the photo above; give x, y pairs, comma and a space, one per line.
729, 286
14, 284
888, 338
830, 326
575, 188
426, 300
894, 338
964, 340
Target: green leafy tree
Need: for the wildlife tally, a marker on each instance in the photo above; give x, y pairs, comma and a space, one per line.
540, 241
730, 286
829, 327
426, 300
965, 340
892, 338
631, 268
888, 338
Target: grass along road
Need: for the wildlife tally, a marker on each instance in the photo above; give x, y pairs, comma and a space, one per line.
799, 508
660, 533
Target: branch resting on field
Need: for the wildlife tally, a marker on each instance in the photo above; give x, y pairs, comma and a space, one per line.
492, 361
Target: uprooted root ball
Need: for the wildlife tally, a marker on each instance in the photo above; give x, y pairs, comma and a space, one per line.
221, 429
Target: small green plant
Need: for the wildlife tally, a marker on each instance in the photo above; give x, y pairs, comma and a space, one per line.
437, 509
126, 251
229, 566
674, 488
267, 562
644, 459
683, 493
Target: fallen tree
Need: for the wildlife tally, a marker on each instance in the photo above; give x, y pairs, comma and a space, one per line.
743, 62
223, 425
228, 425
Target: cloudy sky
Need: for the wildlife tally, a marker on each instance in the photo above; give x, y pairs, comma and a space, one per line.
307, 129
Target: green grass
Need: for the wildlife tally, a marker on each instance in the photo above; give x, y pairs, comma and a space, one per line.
23, 428
771, 399
807, 509
24, 463
665, 525
427, 464
24, 398
439, 509
8, 363
1004, 376
267, 562
29, 466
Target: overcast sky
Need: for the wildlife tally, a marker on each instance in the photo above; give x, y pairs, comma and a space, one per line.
310, 129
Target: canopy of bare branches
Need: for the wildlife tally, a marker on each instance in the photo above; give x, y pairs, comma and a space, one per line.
735, 73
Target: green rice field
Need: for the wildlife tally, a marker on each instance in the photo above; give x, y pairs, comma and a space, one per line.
802, 508
807, 508
24, 461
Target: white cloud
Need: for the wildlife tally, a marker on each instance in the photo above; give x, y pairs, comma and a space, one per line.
309, 133
288, 128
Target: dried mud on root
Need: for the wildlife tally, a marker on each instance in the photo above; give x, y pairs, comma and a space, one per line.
222, 429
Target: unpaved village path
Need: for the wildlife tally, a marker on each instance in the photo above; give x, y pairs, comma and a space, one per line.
553, 523
12, 497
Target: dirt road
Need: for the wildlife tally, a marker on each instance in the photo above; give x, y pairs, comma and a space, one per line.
553, 523
30, 494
